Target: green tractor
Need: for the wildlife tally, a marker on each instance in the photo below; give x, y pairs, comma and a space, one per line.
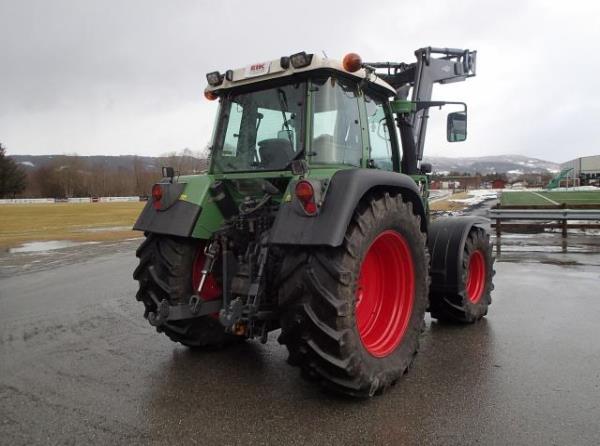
313, 219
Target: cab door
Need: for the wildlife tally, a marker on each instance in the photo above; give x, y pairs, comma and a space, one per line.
382, 150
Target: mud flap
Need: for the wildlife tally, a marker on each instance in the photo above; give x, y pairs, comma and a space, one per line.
179, 219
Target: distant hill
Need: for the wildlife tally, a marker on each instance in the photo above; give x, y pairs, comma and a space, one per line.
123, 162
514, 164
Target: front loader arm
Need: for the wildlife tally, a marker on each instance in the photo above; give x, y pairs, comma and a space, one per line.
454, 65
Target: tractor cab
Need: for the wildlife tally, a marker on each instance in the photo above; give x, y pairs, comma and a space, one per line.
303, 109
324, 113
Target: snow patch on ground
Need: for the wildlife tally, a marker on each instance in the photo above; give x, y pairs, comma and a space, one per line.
438, 194
477, 196
577, 189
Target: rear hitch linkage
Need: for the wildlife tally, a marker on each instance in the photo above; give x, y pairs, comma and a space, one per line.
169, 313
196, 306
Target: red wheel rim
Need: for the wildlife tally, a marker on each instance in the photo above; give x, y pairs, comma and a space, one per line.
475, 276
385, 294
211, 289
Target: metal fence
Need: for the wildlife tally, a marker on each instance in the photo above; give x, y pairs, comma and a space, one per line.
542, 218
70, 200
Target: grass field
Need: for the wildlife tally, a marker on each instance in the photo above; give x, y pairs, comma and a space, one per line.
21, 223
549, 198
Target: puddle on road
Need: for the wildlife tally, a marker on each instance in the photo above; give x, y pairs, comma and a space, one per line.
44, 255
47, 246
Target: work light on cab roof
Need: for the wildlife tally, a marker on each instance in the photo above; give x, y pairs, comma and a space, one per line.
214, 79
300, 60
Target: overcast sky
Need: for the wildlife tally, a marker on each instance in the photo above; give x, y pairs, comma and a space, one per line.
127, 77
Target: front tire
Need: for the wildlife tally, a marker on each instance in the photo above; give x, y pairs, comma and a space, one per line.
473, 299
355, 313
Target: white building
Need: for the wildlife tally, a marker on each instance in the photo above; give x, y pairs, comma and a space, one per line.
586, 168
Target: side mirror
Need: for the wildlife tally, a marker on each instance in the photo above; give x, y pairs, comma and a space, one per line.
426, 168
168, 172
456, 126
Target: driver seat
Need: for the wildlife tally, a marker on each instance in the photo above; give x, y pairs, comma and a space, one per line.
275, 152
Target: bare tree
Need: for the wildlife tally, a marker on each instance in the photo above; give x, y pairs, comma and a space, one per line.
185, 162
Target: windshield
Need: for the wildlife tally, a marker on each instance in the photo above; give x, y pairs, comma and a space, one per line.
260, 130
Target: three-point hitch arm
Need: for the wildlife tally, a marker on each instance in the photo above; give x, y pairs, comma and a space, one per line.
453, 65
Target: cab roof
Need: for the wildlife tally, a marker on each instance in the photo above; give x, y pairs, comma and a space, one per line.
284, 67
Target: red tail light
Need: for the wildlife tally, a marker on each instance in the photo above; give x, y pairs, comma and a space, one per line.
304, 191
157, 194
306, 194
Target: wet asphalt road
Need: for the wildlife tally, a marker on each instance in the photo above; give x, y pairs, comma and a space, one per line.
79, 365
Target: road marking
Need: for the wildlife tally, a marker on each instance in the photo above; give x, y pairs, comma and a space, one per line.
546, 198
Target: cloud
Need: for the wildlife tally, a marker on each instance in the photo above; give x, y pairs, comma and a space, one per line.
127, 77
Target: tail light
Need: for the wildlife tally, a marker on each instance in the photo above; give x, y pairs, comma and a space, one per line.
157, 195
306, 195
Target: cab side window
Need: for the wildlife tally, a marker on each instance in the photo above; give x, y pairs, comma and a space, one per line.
230, 146
337, 137
379, 135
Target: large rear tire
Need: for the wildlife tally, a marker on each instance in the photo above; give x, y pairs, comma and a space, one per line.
169, 269
353, 314
474, 296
